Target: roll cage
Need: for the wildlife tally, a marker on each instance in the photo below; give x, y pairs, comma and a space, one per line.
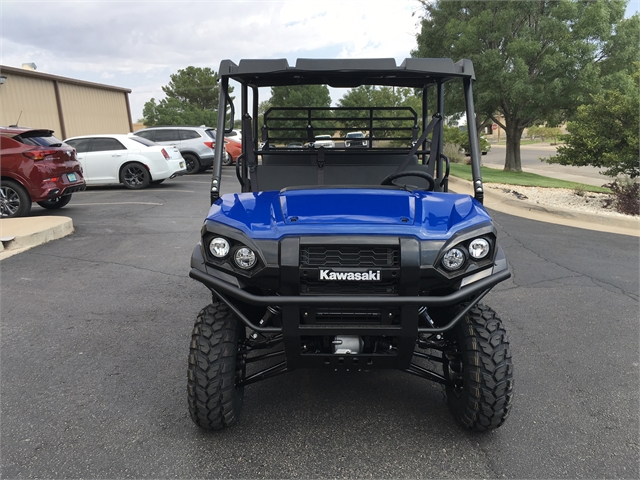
422, 136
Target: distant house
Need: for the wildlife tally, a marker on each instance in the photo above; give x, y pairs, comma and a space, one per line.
67, 106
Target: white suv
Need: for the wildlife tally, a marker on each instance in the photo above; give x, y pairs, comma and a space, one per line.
355, 139
195, 143
323, 141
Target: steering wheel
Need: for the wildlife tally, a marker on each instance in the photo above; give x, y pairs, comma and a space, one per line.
388, 180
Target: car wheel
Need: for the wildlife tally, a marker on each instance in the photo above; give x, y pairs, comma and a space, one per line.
14, 200
55, 203
216, 365
193, 164
478, 367
227, 159
135, 176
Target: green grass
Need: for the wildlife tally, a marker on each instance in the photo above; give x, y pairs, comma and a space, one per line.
493, 175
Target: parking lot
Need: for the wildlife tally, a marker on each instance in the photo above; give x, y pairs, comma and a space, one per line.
95, 336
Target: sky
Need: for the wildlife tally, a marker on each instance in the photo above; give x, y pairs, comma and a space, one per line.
138, 44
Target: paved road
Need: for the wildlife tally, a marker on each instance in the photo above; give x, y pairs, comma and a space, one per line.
96, 328
530, 158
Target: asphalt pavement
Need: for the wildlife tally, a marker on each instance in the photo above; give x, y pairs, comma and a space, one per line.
20, 234
95, 337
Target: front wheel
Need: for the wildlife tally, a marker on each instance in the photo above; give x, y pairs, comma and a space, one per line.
227, 159
14, 200
216, 365
478, 365
135, 176
55, 203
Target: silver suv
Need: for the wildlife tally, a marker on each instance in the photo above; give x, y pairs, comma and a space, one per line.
195, 143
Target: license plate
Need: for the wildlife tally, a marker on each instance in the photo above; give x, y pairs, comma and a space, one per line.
72, 177
181, 164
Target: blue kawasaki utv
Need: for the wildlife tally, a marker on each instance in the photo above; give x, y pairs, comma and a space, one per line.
347, 258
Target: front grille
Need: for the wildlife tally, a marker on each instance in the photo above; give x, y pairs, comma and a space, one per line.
385, 287
349, 256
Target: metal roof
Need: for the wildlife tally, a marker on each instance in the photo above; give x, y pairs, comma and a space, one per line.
348, 73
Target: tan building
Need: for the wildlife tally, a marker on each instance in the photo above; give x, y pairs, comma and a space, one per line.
67, 106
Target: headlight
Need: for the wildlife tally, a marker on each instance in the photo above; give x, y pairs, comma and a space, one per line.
219, 247
453, 259
479, 248
245, 258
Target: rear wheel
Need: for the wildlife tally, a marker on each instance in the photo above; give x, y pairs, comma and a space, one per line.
14, 199
227, 159
135, 176
55, 203
193, 164
478, 364
216, 365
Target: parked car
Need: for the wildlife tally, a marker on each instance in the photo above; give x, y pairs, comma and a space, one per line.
35, 166
234, 135
195, 143
133, 161
232, 146
483, 143
355, 139
323, 141
233, 149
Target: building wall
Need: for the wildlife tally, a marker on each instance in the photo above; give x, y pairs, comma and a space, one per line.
89, 110
29, 102
67, 106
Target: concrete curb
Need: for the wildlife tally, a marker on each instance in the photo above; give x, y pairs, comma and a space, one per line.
20, 234
544, 213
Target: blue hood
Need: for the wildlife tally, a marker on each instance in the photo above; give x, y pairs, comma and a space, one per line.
348, 211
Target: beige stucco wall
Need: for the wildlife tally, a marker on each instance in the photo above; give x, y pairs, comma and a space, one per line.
29, 102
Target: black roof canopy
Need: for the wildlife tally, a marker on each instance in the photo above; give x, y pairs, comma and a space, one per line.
347, 73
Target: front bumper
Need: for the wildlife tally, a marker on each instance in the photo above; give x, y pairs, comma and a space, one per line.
471, 293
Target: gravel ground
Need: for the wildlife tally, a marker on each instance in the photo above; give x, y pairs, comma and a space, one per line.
558, 197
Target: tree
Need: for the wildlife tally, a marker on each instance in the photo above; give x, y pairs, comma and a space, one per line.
604, 133
192, 97
535, 61
372, 96
297, 96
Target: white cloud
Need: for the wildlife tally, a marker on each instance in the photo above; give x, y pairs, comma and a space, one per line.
138, 44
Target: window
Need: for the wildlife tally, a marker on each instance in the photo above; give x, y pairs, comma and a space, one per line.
106, 144
188, 134
148, 134
167, 135
80, 144
38, 138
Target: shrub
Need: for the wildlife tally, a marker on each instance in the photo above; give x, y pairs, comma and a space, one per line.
452, 151
625, 198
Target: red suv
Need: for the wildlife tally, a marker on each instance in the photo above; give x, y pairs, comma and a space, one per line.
37, 167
